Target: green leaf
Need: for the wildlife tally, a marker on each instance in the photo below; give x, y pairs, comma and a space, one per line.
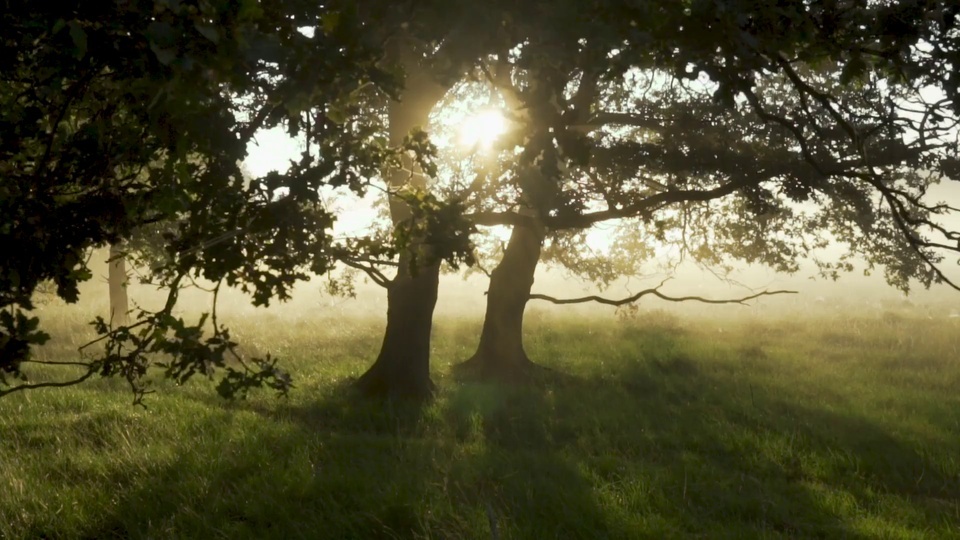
208, 31
330, 22
164, 56
163, 41
161, 34
854, 69
79, 37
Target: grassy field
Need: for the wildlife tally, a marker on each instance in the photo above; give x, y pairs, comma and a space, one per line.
655, 427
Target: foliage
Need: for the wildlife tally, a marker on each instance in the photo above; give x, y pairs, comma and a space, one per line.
738, 130
121, 122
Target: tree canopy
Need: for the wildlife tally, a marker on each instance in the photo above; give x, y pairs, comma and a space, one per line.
755, 130
122, 115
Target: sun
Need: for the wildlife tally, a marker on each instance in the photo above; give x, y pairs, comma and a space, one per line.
482, 129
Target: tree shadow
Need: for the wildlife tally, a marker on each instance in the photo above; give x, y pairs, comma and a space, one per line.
727, 457
342, 467
516, 469
659, 443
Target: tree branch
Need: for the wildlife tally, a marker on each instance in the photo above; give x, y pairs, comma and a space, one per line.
375, 275
655, 292
247, 132
648, 204
492, 219
92, 370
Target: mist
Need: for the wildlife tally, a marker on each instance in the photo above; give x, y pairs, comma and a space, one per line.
462, 296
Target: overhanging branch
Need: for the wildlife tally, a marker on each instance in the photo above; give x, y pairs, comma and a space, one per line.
375, 275
654, 292
92, 370
649, 204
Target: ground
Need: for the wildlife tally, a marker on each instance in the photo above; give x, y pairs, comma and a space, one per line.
650, 427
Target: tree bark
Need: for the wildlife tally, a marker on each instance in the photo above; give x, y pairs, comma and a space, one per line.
402, 369
500, 354
117, 281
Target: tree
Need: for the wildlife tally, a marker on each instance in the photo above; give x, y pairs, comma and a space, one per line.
124, 120
424, 222
792, 118
402, 369
542, 50
812, 93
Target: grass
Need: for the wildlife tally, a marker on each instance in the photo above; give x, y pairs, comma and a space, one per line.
655, 427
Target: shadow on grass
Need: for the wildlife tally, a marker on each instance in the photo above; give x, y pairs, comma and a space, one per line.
658, 443
348, 475
722, 454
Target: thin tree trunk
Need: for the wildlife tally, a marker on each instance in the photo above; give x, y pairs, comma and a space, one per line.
500, 354
117, 280
402, 369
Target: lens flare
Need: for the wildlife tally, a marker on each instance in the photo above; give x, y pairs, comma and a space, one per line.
481, 130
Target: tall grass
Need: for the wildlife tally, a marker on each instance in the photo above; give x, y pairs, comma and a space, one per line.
653, 427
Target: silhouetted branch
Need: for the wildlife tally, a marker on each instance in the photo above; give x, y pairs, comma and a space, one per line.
92, 370
655, 292
246, 133
649, 204
57, 363
491, 219
377, 276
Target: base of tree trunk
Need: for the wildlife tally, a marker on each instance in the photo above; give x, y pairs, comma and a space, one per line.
379, 384
506, 369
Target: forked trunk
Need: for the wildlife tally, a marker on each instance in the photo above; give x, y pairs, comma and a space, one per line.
402, 369
501, 355
117, 282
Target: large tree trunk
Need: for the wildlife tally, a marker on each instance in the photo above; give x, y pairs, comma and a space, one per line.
117, 280
500, 355
402, 369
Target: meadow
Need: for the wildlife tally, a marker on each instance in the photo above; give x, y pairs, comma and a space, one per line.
652, 426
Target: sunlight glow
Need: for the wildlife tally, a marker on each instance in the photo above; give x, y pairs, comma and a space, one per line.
481, 130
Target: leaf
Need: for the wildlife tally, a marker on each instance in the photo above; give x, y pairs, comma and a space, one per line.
854, 69
163, 41
330, 22
208, 31
79, 37
161, 34
249, 10
164, 56
336, 114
